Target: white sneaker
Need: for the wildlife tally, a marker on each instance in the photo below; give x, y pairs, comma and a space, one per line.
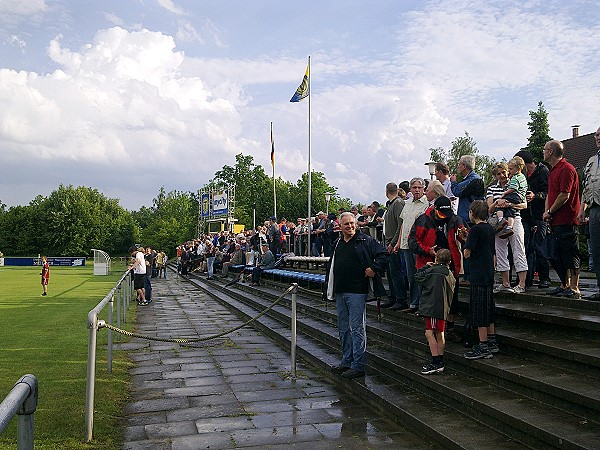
518, 289
502, 288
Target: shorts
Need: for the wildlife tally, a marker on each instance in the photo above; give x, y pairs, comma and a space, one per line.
432, 323
513, 198
45, 281
564, 246
138, 280
481, 306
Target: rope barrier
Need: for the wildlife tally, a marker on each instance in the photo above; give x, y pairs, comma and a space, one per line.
103, 324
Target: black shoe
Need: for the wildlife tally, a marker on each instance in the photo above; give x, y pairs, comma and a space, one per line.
44, 294
479, 352
388, 304
544, 284
339, 369
556, 291
398, 307
351, 373
410, 310
430, 368
569, 293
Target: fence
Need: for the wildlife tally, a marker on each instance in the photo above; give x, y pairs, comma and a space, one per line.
21, 400
123, 291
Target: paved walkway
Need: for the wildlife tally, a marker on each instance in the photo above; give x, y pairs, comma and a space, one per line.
234, 391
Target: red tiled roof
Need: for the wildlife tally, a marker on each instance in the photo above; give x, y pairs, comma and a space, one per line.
578, 150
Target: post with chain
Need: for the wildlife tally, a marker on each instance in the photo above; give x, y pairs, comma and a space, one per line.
119, 290
109, 356
293, 338
91, 375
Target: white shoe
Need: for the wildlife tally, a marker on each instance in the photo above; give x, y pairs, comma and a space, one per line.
502, 288
518, 289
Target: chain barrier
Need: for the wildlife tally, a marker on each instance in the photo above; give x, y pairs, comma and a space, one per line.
103, 324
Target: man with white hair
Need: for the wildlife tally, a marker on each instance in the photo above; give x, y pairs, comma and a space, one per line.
412, 209
470, 188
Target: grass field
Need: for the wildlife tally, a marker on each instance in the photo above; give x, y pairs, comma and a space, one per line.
48, 337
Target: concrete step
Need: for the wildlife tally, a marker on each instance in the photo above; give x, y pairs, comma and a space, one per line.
536, 381
431, 419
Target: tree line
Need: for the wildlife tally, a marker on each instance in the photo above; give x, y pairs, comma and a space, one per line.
73, 220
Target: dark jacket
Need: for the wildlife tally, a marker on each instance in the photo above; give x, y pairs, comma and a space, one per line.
370, 254
538, 184
437, 289
267, 261
423, 236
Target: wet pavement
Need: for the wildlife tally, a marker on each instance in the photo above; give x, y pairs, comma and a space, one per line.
235, 391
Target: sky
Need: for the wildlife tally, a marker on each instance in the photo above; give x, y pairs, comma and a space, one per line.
130, 96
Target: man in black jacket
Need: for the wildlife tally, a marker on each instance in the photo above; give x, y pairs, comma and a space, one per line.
356, 266
536, 228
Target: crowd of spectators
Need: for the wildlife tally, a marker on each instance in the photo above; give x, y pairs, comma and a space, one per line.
536, 224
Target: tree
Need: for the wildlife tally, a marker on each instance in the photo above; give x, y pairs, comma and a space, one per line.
252, 186
173, 219
69, 222
464, 145
539, 127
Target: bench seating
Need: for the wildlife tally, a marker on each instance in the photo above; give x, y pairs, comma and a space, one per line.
307, 260
303, 278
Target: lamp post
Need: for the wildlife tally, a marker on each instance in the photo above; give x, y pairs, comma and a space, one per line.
431, 166
327, 199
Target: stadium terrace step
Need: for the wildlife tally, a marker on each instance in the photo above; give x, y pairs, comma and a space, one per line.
412, 409
520, 396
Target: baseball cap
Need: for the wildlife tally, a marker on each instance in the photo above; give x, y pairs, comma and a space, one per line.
443, 206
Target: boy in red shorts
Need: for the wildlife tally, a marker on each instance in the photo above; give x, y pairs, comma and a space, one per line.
437, 287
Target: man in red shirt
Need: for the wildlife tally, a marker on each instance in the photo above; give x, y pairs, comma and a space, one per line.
562, 208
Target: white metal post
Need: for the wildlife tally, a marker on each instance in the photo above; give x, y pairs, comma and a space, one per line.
110, 334
293, 338
91, 375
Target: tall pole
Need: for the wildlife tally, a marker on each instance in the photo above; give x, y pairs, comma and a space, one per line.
309, 171
273, 164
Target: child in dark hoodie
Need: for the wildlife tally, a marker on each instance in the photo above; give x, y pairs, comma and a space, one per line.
437, 287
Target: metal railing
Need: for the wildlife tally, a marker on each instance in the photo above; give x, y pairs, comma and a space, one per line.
123, 291
21, 400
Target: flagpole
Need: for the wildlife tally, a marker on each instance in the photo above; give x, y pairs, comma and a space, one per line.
309, 171
273, 164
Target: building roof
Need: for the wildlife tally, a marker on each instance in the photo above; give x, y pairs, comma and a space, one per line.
578, 150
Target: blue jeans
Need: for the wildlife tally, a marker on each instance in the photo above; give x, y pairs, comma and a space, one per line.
352, 327
148, 287
594, 241
411, 269
396, 279
210, 264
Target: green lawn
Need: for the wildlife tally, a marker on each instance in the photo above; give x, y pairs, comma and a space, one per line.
48, 337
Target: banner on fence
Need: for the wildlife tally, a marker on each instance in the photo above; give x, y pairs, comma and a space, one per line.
53, 261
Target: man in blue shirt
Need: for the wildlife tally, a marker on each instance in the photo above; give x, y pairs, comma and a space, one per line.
470, 188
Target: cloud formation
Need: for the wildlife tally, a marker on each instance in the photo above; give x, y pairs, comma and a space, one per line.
170, 100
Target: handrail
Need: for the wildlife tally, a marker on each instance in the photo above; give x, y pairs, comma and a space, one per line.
124, 297
21, 400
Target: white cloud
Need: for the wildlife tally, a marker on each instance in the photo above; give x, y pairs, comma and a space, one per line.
170, 6
113, 19
116, 104
16, 41
21, 8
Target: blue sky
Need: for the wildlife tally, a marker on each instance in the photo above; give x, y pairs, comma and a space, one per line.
129, 96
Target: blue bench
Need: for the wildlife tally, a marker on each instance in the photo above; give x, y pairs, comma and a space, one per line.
309, 279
